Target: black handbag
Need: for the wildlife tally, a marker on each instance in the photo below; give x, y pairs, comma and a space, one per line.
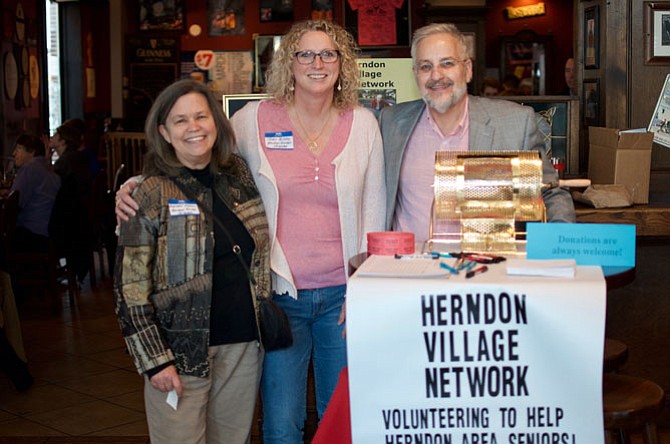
274, 326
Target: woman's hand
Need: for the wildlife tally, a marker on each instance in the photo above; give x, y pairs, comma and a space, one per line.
166, 380
126, 206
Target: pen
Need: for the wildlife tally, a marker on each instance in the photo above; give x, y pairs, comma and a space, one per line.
480, 257
481, 269
467, 265
451, 270
418, 256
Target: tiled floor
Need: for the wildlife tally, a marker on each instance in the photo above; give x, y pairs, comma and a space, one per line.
86, 389
85, 383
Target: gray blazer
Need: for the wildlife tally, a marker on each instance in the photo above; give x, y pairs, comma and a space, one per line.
495, 125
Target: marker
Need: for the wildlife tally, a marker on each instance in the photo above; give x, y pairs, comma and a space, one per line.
451, 270
471, 273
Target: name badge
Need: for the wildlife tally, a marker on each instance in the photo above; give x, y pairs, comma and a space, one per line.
279, 141
183, 208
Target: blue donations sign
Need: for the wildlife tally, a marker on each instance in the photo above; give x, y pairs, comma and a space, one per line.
589, 244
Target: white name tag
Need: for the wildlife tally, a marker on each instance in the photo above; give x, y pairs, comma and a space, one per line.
279, 141
183, 208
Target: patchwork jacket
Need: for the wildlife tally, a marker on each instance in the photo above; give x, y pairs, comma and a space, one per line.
163, 274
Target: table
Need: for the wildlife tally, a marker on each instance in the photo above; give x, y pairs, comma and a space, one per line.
615, 277
651, 220
389, 352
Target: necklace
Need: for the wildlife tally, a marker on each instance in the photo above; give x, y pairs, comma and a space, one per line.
311, 141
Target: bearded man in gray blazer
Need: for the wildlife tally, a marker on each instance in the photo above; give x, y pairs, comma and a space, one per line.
449, 119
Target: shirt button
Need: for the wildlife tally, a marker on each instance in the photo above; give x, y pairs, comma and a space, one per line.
316, 177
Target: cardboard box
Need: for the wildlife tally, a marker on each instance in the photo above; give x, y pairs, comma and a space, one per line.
623, 158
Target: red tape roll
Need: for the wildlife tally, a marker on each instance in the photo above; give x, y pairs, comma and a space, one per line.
388, 243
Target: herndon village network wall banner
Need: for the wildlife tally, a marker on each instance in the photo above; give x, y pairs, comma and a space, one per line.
386, 82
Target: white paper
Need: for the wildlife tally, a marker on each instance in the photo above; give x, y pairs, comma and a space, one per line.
172, 399
542, 267
389, 266
636, 130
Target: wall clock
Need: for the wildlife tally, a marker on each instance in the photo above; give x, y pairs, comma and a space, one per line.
25, 92
20, 23
11, 75
34, 77
25, 61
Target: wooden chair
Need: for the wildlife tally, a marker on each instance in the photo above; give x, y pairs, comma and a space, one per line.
45, 271
100, 215
616, 354
9, 210
630, 403
33, 269
126, 149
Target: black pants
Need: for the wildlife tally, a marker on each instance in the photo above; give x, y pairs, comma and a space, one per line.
10, 363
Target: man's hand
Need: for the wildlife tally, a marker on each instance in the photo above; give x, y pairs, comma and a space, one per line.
166, 380
342, 319
126, 206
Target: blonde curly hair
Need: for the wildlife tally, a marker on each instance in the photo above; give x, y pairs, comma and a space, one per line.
280, 80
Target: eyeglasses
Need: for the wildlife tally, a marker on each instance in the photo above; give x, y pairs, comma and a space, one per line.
446, 65
327, 56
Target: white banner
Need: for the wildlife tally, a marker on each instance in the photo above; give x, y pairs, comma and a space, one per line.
493, 359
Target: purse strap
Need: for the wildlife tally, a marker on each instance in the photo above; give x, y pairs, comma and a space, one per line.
236, 248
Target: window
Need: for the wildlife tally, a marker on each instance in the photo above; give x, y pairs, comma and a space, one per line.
53, 66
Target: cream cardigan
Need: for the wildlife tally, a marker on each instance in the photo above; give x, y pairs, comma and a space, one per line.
359, 181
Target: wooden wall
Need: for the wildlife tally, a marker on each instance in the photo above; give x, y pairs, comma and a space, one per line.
19, 115
629, 87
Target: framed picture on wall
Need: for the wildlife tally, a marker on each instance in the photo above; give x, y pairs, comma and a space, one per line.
322, 9
264, 48
162, 15
225, 17
385, 24
592, 37
234, 102
657, 33
591, 101
660, 120
276, 10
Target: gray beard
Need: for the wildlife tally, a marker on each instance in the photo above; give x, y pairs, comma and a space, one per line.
442, 106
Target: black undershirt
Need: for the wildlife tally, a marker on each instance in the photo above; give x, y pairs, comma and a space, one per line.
232, 318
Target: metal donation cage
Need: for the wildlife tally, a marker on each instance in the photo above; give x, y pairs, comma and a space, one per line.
488, 193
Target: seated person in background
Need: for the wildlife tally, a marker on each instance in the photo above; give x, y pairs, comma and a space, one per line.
569, 72
526, 87
490, 87
94, 166
510, 86
71, 162
68, 227
37, 185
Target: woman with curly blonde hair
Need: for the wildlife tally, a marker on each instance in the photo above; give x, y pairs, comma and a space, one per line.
280, 82
317, 159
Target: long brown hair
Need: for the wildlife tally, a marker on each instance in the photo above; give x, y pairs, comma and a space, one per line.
161, 157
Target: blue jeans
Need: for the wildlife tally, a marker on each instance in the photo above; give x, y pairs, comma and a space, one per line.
313, 318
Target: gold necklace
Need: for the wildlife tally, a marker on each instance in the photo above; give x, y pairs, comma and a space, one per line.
312, 142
